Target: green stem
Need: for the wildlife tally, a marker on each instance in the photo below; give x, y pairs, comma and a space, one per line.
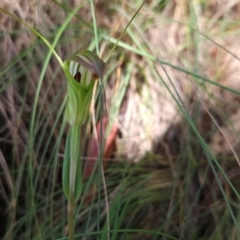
74, 156
75, 133
71, 218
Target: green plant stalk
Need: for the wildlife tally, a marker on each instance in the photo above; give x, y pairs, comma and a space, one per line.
75, 164
71, 218
74, 156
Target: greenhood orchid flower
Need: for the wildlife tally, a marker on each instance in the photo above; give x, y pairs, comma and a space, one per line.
80, 90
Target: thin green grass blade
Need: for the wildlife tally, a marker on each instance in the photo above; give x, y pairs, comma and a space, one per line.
129, 23
206, 150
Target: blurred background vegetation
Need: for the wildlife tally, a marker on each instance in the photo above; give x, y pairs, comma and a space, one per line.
170, 112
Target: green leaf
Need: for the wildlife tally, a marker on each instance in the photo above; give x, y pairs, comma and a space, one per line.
66, 175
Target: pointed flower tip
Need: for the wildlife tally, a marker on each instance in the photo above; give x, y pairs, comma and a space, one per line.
90, 61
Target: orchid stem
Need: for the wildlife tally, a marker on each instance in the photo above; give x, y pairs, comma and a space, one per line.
75, 133
71, 218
